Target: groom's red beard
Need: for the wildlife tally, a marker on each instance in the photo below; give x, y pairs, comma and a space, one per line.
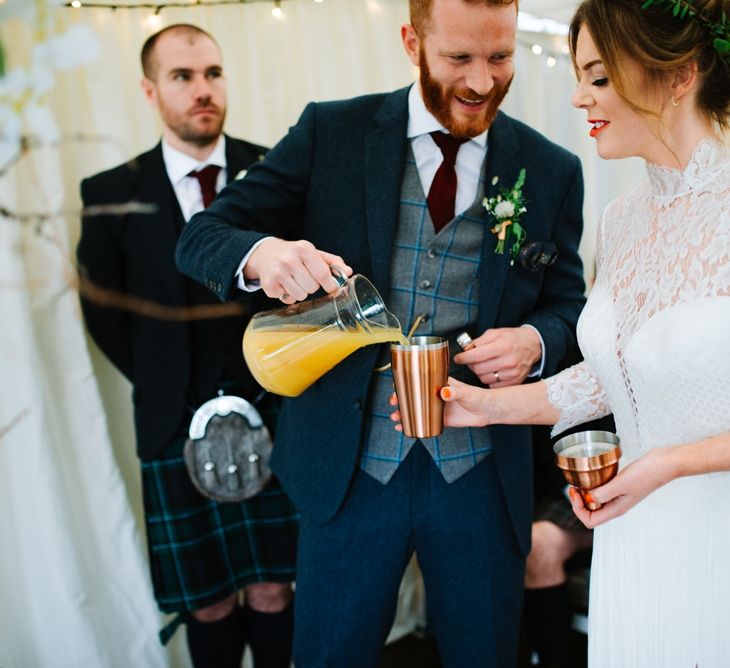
438, 100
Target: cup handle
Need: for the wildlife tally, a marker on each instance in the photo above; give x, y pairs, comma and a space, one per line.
339, 274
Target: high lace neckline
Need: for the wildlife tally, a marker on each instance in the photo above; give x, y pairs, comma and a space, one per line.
668, 184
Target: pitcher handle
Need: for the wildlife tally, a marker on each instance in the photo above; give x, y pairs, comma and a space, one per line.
338, 273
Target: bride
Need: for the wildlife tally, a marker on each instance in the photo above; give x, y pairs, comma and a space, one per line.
655, 335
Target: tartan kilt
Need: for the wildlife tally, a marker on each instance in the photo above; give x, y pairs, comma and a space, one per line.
201, 551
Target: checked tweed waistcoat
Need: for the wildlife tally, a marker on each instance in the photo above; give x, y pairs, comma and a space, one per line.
436, 275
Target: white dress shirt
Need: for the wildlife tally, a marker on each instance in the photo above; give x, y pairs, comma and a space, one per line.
469, 159
187, 188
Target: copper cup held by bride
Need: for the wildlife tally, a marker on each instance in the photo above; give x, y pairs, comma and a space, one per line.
420, 370
588, 459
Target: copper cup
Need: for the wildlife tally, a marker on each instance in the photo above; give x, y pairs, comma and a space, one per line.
588, 459
420, 370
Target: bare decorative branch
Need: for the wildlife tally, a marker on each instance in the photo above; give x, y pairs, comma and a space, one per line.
105, 297
118, 209
29, 143
37, 217
4, 431
87, 289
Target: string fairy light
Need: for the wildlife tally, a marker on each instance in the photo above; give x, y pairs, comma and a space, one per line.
551, 53
157, 7
527, 23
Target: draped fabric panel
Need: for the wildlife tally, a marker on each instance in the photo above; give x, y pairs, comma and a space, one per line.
74, 589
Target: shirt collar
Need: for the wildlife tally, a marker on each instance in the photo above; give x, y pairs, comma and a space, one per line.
179, 164
421, 121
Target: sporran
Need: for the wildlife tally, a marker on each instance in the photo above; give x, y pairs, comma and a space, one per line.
228, 452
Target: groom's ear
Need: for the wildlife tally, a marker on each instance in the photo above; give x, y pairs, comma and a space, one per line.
411, 42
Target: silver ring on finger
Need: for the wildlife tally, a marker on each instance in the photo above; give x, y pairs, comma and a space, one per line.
284, 296
496, 376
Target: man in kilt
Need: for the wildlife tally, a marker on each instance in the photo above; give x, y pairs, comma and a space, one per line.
202, 553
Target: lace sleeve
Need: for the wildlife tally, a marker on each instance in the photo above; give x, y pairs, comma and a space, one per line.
578, 395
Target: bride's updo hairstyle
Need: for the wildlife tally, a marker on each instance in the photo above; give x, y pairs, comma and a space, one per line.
660, 43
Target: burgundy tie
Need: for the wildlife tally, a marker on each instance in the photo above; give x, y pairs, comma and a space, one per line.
207, 178
442, 195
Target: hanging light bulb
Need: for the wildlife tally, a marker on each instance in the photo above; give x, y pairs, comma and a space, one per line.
551, 62
536, 49
277, 12
154, 20
76, 4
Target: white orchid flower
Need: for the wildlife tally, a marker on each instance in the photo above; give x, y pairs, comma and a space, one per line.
77, 46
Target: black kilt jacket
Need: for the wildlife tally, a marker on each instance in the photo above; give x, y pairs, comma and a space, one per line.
174, 365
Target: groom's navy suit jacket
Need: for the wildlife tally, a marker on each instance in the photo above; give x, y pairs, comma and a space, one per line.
335, 180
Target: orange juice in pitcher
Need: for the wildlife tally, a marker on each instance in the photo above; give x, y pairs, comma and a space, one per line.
288, 361
288, 349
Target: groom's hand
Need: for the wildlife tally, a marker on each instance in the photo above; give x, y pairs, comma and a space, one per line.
504, 356
292, 270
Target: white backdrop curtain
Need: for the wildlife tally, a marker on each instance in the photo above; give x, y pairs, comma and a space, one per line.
74, 588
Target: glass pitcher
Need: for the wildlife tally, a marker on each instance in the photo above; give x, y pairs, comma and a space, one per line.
287, 349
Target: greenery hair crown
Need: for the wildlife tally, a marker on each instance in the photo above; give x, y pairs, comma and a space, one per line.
719, 32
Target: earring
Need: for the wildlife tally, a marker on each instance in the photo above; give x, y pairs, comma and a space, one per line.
675, 103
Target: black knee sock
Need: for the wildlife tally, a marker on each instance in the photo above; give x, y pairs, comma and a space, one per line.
548, 617
217, 644
269, 635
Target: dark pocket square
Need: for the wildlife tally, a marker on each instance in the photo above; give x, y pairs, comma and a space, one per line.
537, 254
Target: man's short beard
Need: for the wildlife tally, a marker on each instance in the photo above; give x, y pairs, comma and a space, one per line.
438, 101
185, 130
198, 138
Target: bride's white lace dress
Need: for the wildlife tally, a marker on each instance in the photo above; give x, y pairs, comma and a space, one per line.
655, 335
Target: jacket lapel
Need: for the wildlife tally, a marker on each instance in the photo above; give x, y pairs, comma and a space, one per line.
160, 231
238, 157
385, 151
502, 147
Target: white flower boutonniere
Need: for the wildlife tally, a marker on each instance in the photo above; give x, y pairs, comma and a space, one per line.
507, 208
241, 174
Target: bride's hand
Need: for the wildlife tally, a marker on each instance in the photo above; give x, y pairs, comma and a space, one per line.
631, 485
466, 405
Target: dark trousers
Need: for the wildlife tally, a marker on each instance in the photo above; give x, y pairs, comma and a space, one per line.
349, 570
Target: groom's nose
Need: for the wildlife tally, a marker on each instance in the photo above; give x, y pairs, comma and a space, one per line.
479, 78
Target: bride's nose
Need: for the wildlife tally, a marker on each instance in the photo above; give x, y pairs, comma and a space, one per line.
582, 99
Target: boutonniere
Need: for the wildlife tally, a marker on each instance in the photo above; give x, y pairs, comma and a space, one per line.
241, 174
507, 208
